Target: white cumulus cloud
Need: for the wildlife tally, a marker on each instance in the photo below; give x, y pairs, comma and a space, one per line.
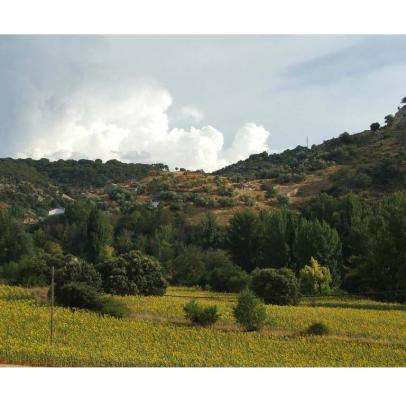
129, 123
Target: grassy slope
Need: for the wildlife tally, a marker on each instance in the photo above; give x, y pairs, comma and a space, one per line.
364, 333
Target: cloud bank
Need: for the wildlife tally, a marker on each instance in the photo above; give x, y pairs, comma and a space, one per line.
190, 101
129, 123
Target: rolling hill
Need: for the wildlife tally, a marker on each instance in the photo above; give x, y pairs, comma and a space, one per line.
371, 164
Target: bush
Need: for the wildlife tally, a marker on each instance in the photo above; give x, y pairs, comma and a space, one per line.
315, 278
375, 126
318, 329
250, 311
77, 294
228, 278
269, 189
201, 315
345, 138
276, 286
72, 270
248, 200
221, 274
112, 307
283, 200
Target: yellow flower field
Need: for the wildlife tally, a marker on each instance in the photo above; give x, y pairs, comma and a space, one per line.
361, 334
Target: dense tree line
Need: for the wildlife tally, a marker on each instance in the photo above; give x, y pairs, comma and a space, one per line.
346, 243
81, 173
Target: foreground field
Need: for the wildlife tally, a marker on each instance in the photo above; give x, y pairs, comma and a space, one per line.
364, 333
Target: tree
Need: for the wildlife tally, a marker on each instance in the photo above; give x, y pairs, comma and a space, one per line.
243, 235
375, 126
228, 278
133, 274
212, 234
250, 311
188, 267
318, 240
314, 278
276, 286
381, 271
98, 234
78, 294
277, 231
389, 119
70, 269
14, 241
403, 100
345, 138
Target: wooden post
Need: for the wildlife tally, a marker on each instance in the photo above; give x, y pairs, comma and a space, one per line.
52, 305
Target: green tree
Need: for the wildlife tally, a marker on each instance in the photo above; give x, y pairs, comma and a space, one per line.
188, 267
78, 294
318, 240
276, 286
314, 278
375, 126
277, 233
243, 238
98, 234
381, 271
212, 234
389, 119
15, 242
70, 269
250, 311
133, 274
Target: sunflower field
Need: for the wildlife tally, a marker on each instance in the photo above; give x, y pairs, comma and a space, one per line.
363, 333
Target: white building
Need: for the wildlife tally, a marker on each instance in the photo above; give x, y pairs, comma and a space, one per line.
58, 210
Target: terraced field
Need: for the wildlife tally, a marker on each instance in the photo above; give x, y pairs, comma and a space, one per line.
363, 333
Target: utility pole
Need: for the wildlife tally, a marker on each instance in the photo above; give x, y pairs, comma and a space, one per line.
51, 337
307, 141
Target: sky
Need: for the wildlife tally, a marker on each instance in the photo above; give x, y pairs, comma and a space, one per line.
199, 102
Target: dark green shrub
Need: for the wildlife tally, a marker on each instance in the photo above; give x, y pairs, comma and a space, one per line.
201, 315
345, 138
318, 329
77, 294
133, 274
72, 270
112, 307
389, 119
375, 126
269, 189
229, 278
283, 200
188, 268
276, 286
250, 311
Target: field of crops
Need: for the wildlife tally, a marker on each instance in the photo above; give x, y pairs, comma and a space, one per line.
363, 333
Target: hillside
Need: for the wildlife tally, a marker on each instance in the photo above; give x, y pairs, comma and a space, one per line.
36, 186
370, 163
